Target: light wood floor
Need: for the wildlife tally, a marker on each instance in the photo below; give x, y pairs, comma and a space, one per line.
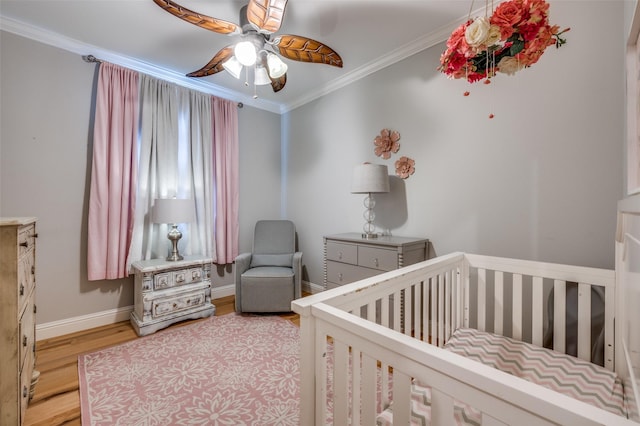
56, 400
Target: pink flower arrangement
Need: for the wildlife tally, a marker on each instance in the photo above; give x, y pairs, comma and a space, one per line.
514, 37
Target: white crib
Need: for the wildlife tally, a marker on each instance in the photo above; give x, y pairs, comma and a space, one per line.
367, 343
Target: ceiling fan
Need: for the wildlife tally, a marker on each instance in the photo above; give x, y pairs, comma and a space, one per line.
259, 20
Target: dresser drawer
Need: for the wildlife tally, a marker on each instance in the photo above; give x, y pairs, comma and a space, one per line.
347, 253
25, 385
26, 332
343, 273
377, 258
26, 279
26, 239
169, 305
176, 278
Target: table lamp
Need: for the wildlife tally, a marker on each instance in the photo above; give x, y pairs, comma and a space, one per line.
173, 211
369, 179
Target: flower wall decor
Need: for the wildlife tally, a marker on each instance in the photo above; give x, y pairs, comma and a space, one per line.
386, 143
405, 167
514, 37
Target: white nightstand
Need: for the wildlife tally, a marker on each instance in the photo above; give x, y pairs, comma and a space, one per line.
167, 292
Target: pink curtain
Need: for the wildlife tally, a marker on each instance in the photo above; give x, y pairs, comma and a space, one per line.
226, 179
113, 173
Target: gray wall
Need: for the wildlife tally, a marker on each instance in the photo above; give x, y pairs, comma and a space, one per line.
47, 99
539, 181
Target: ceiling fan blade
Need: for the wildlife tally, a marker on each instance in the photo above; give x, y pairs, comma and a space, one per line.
266, 15
203, 21
305, 49
215, 64
278, 83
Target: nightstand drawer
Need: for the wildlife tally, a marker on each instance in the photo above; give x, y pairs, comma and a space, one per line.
343, 273
347, 253
170, 305
175, 278
377, 258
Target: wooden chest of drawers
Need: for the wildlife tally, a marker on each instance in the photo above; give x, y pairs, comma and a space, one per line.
17, 317
349, 257
167, 292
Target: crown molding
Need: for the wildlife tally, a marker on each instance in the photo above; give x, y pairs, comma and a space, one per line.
409, 49
75, 46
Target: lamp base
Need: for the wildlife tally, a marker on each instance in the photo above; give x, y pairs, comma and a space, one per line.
174, 236
367, 236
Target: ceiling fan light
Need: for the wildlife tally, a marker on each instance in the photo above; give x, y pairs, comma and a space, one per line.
233, 66
246, 53
277, 68
261, 76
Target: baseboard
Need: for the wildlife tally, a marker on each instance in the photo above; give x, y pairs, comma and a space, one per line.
312, 288
75, 324
112, 316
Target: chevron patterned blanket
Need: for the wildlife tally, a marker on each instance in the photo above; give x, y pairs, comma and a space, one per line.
562, 373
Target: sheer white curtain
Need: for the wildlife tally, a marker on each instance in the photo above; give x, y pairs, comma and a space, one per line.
175, 161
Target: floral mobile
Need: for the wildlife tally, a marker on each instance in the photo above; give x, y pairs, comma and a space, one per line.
514, 37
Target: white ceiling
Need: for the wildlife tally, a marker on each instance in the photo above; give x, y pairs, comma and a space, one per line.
368, 34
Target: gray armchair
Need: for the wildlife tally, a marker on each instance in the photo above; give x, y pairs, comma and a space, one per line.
269, 278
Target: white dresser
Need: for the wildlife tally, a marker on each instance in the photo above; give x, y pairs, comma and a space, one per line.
170, 291
349, 257
17, 317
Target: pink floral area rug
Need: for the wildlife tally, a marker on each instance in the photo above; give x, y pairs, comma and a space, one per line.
228, 370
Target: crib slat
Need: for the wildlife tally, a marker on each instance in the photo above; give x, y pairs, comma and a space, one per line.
340, 383
401, 399
447, 305
434, 311
355, 385
384, 310
368, 400
441, 409
417, 322
536, 311
482, 298
516, 304
397, 296
425, 310
408, 311
584, 321
559, 315
498, 314
440, 310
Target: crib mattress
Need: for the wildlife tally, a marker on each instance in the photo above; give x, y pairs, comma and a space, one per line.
562, 373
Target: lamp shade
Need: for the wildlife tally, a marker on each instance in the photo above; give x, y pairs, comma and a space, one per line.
261, 76
233, 66
370, 178
173, 210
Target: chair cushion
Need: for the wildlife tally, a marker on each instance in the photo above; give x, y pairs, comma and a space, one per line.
267, 272
271, 260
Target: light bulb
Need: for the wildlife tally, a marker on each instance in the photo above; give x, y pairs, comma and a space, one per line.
246, 53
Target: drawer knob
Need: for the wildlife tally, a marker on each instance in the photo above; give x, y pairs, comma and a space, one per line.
21, 289
35, 235
24, 244
33, 269
340, 255
25, 392
340, 277
375, 261
24, 341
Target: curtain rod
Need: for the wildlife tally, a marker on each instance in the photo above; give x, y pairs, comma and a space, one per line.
92, 59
